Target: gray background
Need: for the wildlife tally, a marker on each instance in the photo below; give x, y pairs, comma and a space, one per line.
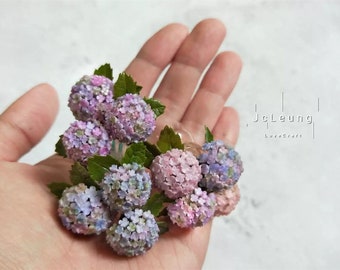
288, 217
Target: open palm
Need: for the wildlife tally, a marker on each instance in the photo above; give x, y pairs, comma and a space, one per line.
31, 236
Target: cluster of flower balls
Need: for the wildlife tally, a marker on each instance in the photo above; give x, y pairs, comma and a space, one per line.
102, 118
197, 187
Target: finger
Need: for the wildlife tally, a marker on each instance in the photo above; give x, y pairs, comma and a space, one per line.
216, 86
155, 55
193, 56
227, 126
26, 121
55, 169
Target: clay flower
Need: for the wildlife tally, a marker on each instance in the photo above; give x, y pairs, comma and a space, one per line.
126, 187
226, 200
193, 210
176, 172
82, 211
85, 139
135, 233
90, 96
221, 166
130, 119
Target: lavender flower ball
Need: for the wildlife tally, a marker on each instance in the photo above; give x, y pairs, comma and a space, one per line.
81, 210
126, 187
90, 96
176, 172
135, 233
130, 120
226, 200
221, 166
193, 210
85, 139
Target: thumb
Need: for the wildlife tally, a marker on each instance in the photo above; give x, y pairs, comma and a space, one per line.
26, 121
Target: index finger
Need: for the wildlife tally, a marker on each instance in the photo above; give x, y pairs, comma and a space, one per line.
155, 55
26, 121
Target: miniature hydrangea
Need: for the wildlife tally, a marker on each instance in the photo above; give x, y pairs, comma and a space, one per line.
190, 184
85, 139
82, 211
226, 200
193, 210
176, 172
126, 187
135, 233
90, 96
130, 119
221, 166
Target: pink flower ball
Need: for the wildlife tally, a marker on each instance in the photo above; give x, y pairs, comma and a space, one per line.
193, 210
226, 200
176, 172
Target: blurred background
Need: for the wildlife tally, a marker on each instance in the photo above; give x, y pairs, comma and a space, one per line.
287, 98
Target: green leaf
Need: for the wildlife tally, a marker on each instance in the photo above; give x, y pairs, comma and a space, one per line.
59, 147
157, 107
104, 70
138, 153
163, 227
57, 188
125, 84
79, 174
97, 166
156, 203
152, 148
209, 137
168, 140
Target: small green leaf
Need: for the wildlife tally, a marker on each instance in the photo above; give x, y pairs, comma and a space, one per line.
153, 149
168, 140
157, 107
57, 188
163, 227
156, 203
125, 84
138, 88
104, 70
59, 147
98, 165
79, 174
209, 137
138, 153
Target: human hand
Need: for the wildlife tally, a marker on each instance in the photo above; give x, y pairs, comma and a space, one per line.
31, 235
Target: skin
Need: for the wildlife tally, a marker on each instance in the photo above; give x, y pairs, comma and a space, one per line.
31, 236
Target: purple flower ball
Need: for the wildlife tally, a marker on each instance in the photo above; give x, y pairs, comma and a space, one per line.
226, 200
126, 187
81, 210
130, 119
193, 210
90, 96
135, 233
221, 166
176, 172
85, 139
